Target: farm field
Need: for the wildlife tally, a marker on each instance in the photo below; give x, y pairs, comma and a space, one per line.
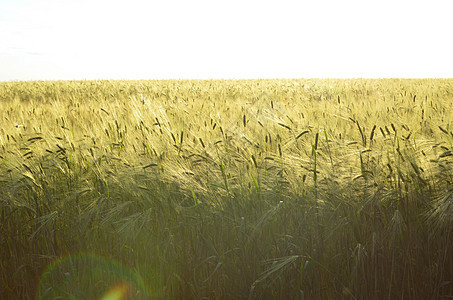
227, 189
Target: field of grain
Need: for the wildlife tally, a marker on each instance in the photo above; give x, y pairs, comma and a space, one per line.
226, 189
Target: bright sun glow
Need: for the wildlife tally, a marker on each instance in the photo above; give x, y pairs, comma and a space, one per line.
134, 39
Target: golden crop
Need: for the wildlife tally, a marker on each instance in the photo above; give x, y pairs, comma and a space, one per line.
228, 188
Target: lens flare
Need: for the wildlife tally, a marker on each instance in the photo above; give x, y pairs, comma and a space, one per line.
117, 292
88, 276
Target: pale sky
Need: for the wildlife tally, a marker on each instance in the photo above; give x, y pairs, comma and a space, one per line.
135, 39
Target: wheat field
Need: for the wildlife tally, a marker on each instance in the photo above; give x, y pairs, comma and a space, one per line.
227, 189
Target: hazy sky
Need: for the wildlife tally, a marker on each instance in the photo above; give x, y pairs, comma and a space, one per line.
133, 39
